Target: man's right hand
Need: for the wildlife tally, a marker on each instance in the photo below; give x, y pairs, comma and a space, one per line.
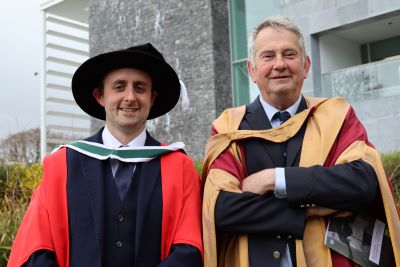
322, 212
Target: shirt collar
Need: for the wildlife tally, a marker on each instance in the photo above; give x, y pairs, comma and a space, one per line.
271, 110
111, 141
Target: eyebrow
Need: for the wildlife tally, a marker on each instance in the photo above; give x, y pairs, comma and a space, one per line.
291, 50
267, 51
118, 82
121, 81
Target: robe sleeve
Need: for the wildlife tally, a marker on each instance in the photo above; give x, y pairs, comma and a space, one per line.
45, 223
181, 219
34, 232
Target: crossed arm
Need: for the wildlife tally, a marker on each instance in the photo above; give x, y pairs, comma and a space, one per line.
312, 191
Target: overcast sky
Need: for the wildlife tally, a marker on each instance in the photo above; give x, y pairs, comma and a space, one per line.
20, 54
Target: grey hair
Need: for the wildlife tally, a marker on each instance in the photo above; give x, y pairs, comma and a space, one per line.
277, 22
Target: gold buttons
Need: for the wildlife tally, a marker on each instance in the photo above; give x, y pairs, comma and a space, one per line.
276, 254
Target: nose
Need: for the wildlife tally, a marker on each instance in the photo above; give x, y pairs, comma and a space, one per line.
130, 94
280, 63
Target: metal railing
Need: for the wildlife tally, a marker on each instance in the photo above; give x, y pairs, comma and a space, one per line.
363, 82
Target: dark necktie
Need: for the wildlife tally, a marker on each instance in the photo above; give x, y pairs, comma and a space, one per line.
123, 178
283, 116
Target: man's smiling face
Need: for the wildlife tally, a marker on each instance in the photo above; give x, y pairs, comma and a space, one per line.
278, 68
127, 98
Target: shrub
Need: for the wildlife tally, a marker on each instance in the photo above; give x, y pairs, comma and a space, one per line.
198, 164
16, 185
391, 163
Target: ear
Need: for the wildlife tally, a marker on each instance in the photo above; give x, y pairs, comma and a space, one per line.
251, 70
153, 96
307, 64
98, 95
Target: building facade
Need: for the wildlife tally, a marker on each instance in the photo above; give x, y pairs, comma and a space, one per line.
65, 46
354, 46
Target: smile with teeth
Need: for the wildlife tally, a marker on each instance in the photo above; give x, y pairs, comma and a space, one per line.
129, 109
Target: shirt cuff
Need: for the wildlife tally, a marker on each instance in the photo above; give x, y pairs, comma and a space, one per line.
280, 183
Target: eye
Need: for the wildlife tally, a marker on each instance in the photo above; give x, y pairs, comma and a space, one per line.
119, 86
140, 87
267, 56
290, 54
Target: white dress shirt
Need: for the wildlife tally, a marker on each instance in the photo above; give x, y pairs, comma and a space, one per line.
111, 141
280, 183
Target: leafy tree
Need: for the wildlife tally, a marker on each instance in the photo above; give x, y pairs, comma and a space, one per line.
22, 147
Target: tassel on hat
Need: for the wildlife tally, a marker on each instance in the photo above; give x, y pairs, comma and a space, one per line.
185, 104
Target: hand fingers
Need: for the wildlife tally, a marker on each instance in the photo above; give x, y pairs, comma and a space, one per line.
320, 211
342, 214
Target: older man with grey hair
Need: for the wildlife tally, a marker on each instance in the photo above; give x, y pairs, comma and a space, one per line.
277, 169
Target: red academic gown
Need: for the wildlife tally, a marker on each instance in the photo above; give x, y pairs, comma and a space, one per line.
45, 224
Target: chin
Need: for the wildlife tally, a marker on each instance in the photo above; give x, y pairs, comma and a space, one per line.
282, 91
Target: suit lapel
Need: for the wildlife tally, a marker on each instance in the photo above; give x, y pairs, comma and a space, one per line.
91, 171
256, 117
93, 176
149, 173
258, 120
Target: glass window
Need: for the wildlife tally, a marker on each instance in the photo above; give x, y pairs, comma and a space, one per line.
380, 50
244, 16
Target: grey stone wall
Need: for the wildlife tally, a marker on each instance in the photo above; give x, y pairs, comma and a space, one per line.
193, 37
